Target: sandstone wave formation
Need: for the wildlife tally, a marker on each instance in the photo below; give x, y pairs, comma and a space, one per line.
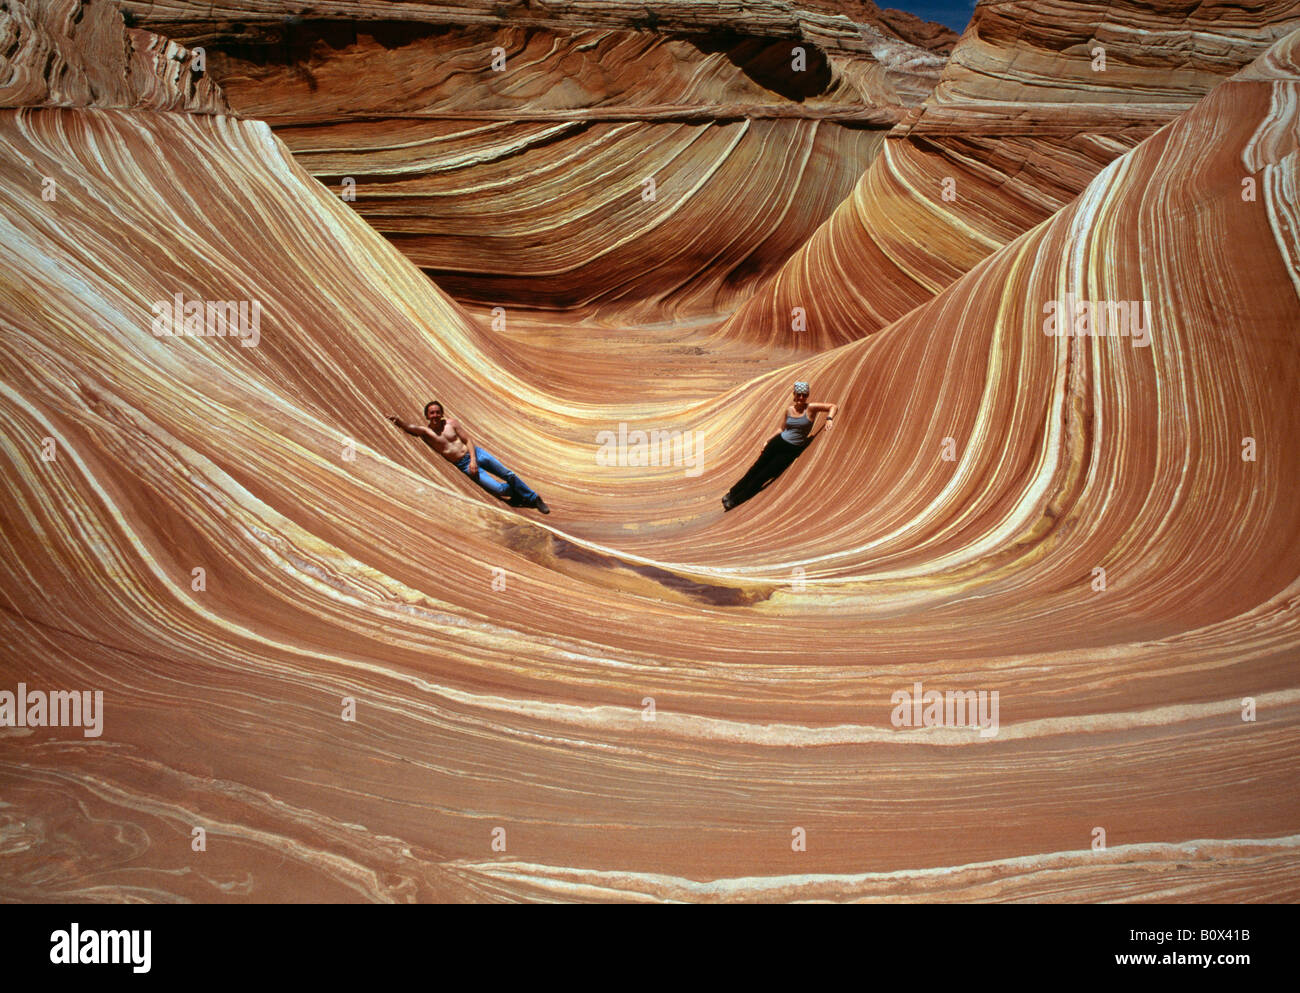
510, 156
1036, 99
365, 680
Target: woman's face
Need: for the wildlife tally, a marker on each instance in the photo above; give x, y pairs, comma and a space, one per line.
800, 400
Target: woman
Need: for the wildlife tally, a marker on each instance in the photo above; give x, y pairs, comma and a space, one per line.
784, 448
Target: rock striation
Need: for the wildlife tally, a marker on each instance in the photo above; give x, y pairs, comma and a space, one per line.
61, 53
513, 156
1036, 99
647, 698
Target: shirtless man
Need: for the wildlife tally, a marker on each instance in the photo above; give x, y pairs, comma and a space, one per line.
447, 437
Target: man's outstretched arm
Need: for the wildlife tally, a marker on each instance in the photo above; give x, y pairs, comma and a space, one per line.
416, 429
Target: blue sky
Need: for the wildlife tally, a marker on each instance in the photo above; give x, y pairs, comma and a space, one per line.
954, 13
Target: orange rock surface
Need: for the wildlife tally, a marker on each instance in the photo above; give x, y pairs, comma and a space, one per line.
639, 696
512, 158
1035, 100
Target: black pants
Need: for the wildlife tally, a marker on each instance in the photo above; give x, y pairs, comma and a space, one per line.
775, 458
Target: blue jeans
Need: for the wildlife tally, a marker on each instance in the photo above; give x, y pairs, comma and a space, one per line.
487, 462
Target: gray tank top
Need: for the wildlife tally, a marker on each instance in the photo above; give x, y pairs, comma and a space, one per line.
796, 429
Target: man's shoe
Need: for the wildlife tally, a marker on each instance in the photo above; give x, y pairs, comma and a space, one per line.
726, 503
540, 504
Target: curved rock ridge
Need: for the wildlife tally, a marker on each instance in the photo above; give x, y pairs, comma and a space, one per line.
624, 223
326, 71
500, 662
559, 147
907, 49
66, 53
1035, 100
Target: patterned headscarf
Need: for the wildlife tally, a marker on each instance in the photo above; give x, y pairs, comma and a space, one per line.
801, 387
